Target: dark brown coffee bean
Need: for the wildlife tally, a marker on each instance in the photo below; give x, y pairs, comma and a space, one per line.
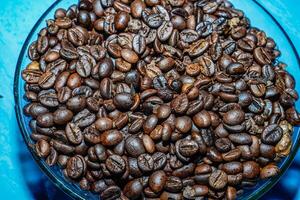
235, 69
173, 184
121, 20
84, 65
106, 68
196, 191
123, 101
42, 148
137, 7
198, 48
240, 138
250, 170
129, 56
139, 44
218, 179
262, 56
74, 133
268, 171
272, 134
164, 31
202, 119
133, 189
68, 51
150, 123
180, 104
134, 146
183, 124
42, 44
62, 116
115, 164
188, 35
234, 117
111, 137
76, 103
84, 118
145, 162
76, 167
112, 192
157, 181
188, 148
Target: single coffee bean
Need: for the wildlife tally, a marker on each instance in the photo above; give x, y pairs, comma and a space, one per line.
218, 179
157, 181
123, 101
145, 162
121, 20
234, 117
76, 167
272, 134
134, 146
73, 133
115, 164
111, 137
202, 119
42, 148
62, 116
173, 184
133, 189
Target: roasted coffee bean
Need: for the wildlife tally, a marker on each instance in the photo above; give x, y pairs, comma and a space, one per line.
164, 31
112, 192
188, 148
106, 68
234, 117
250, 169
121, 20
218, 179
202, 119
268, 171
111, 137
76, 167
84, 65
150, 123
42, 148
196, 191
145, 162
139, 44
157, 181
76, 103
123, 101
115, 164
198, 48
262, 56
133, 189
159, 160
134, 146
74, 133
180, 104
62, 116
173, 184
183, 124
272, 134
129, 56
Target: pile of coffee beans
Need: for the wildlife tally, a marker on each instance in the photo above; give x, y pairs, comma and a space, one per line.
159, 99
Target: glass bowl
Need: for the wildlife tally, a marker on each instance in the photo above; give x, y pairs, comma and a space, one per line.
258, 16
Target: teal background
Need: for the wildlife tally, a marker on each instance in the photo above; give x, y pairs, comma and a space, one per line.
19, 176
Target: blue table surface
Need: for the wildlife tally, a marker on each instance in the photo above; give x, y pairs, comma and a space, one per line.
20, 178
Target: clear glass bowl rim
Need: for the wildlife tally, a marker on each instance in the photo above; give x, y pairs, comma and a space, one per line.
18, 109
